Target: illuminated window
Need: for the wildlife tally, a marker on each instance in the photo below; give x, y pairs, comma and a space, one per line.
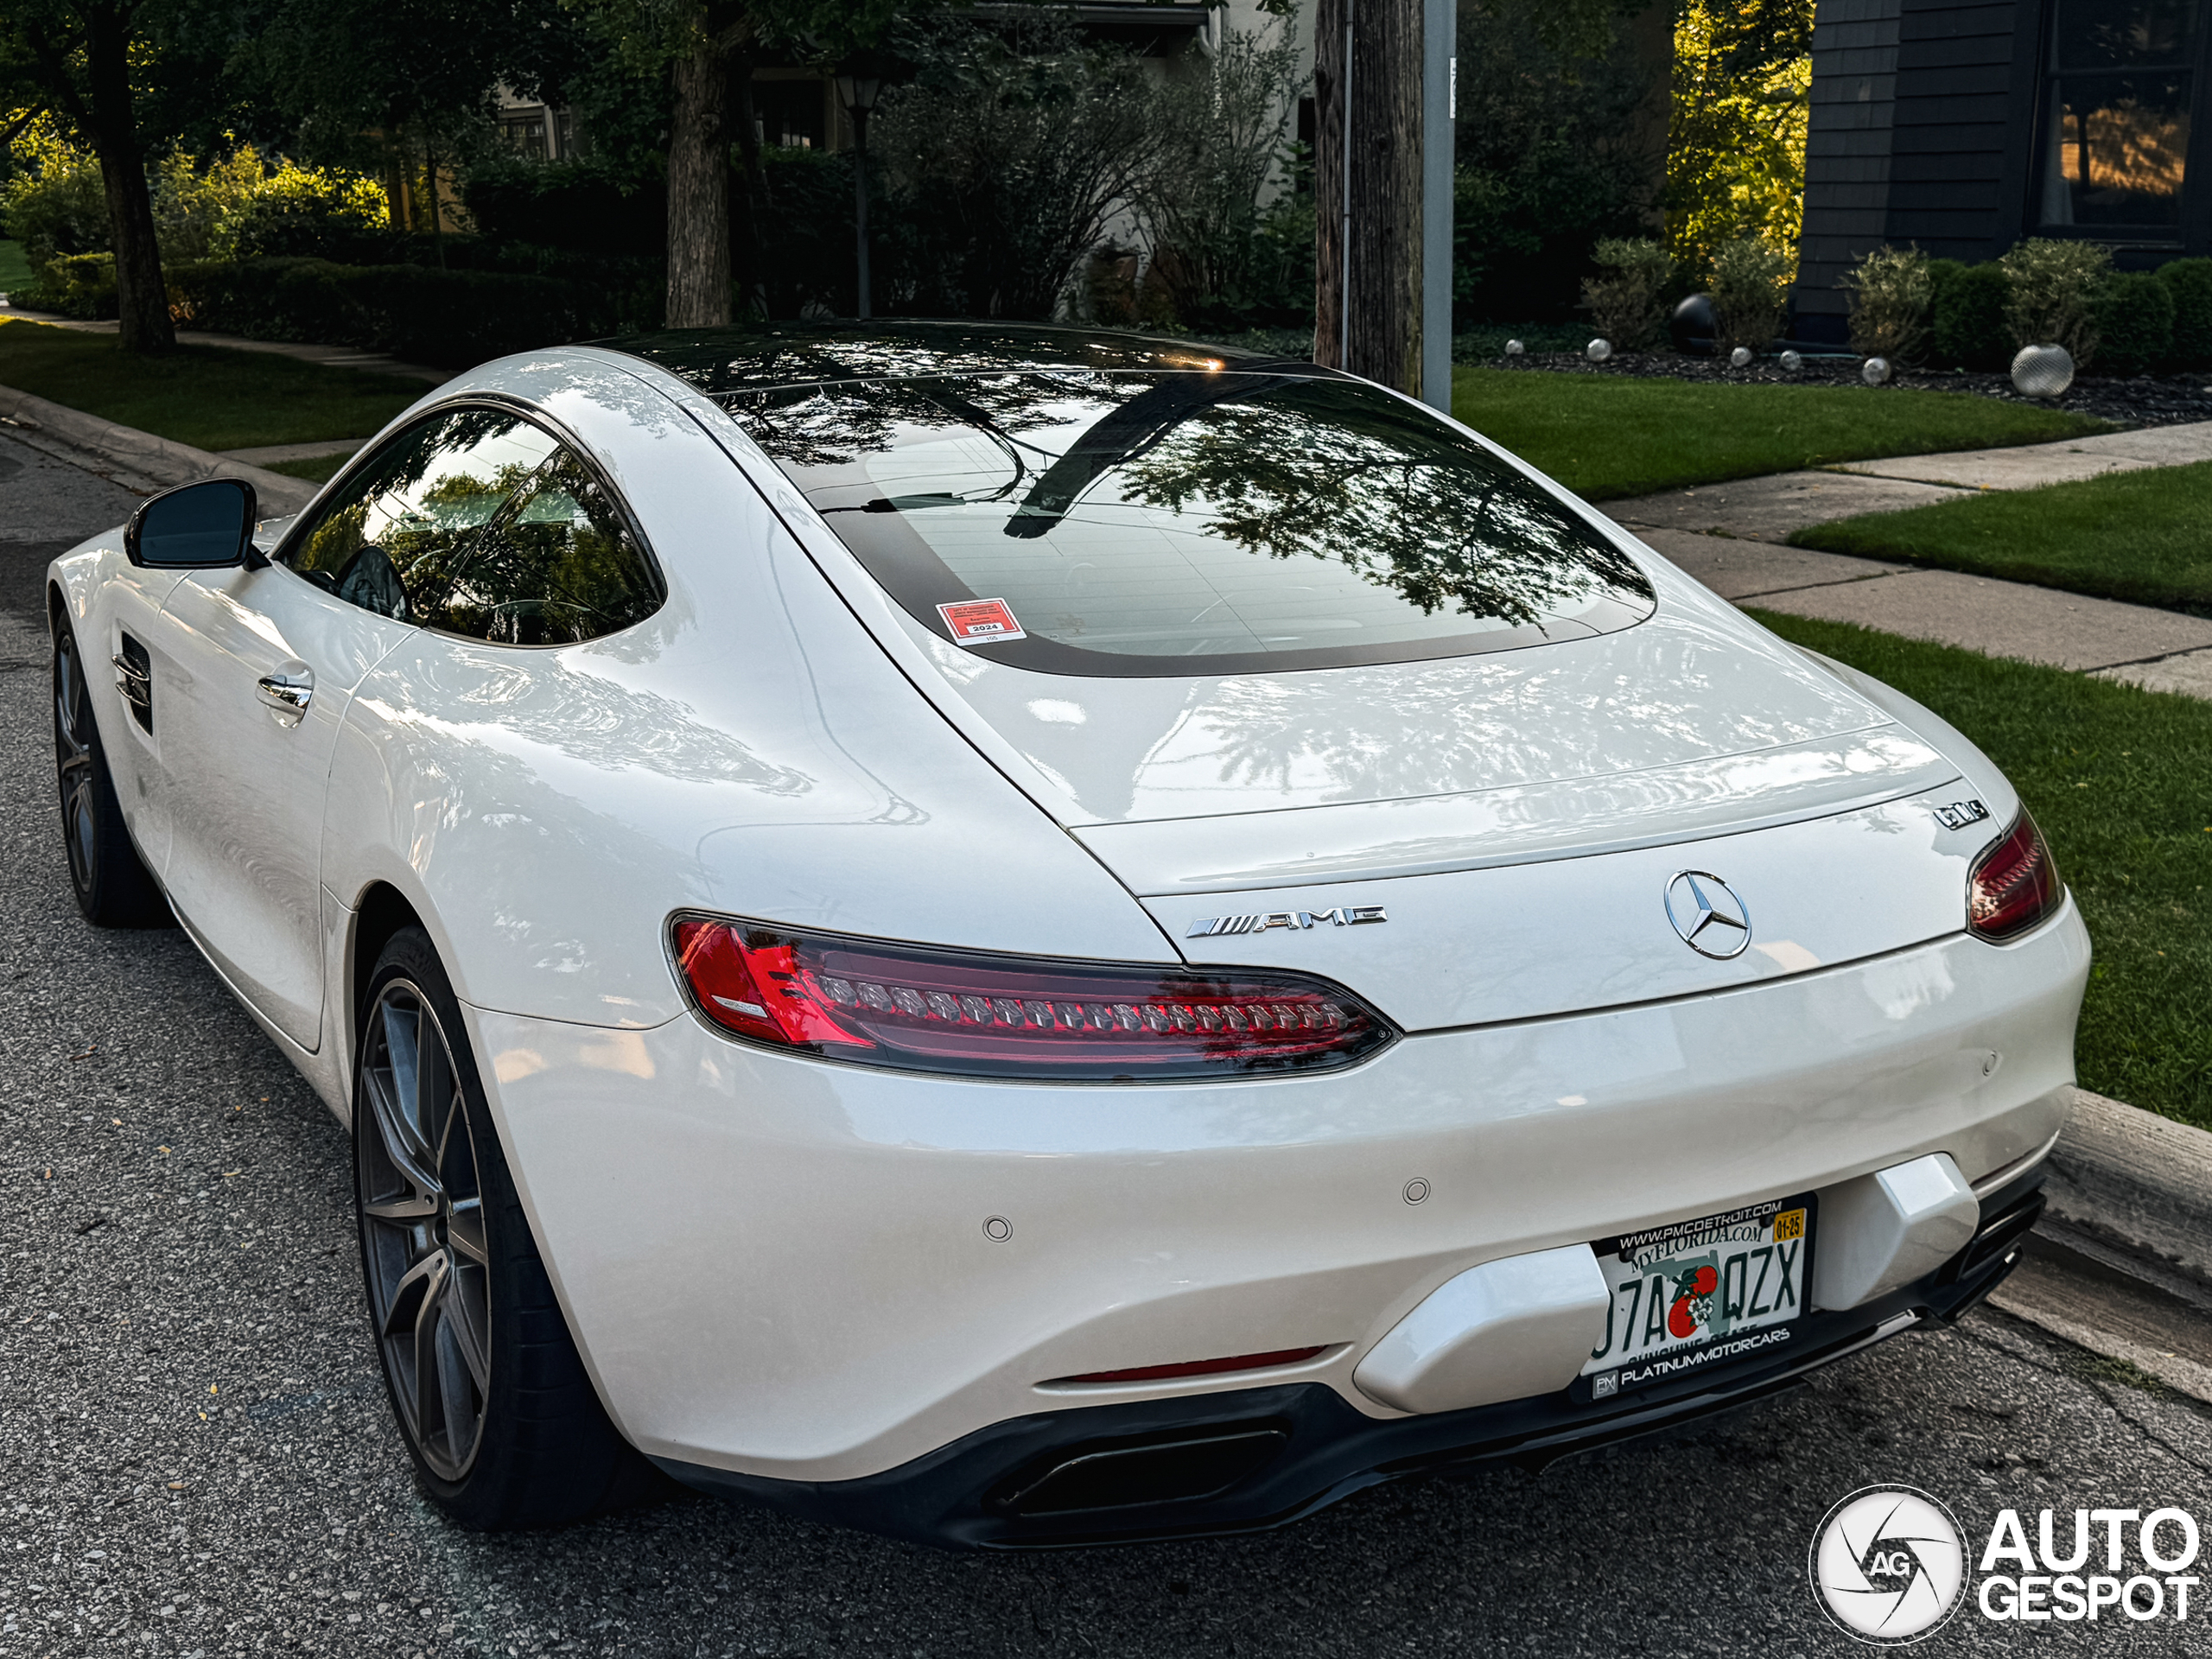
2115, 114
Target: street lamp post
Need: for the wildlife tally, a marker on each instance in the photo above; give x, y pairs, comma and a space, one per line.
858, 94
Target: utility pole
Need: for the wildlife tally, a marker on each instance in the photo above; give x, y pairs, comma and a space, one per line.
1440, 113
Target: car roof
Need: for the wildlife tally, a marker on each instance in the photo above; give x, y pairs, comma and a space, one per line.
733, 361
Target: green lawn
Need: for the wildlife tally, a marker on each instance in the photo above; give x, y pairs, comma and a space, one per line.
211, 398
318, 469
1604, 435
2143, 535
2116, 778
15, 267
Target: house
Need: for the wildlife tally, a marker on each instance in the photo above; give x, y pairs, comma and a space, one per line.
1963, 126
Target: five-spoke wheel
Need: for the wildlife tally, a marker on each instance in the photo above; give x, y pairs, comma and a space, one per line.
492, 1399
423, 1229
112, 886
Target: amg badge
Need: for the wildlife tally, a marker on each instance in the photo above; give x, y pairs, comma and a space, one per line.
1342, 916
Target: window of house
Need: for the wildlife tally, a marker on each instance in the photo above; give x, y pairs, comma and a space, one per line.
524, 132
2116, 115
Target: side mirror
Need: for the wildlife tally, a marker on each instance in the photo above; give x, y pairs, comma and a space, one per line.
201, 526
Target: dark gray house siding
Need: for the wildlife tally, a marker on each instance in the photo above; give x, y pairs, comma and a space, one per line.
1923, 130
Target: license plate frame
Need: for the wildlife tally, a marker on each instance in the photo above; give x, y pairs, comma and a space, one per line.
1759, 1260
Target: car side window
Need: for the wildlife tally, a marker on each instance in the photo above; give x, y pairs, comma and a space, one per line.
476, 523
556, 565
389, 539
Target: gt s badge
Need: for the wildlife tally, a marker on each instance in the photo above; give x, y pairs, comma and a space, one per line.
1959, 814
1342, 916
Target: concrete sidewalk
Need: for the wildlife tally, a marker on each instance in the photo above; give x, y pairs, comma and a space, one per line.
1729, 537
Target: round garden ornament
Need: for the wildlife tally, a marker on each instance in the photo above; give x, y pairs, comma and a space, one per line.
1741, 358
2043, 370
1514, 348
1875, 370
1598, 350
1792, 361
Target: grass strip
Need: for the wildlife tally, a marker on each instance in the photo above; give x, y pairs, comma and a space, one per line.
316, 470
1607, 435
2140, 536
201, 395
2115, 778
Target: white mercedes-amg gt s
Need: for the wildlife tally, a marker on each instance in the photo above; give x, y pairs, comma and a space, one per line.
1021, 936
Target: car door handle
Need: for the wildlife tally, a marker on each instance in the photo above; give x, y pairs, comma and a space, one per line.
288, 692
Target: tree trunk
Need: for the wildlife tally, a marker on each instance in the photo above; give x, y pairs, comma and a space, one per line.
142, 297
699, 190
1385, 194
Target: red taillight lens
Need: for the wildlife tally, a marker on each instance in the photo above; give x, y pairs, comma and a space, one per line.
2014, 885
923, 1010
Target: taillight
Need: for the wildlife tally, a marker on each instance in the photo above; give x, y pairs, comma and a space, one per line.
2014, 885
922, 1010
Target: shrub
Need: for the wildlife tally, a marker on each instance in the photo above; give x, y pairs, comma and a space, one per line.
1891, 292
1751, 287
2054, 293
1554, 148
2189, 282
2134, 317
1970, 330
289, 209
1627, 304
75, 284
1226, 129
450, 317
1018, 148
585, 206
55, 204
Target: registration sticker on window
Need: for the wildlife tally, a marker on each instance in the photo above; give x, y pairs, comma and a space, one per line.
1699, 1294
981, 622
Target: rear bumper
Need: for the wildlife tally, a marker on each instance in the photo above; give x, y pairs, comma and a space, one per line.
1255, 1459
815, 1276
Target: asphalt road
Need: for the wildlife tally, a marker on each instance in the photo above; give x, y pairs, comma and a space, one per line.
196, 1457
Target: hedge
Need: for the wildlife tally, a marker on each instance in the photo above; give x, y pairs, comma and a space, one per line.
453, 318
448, 317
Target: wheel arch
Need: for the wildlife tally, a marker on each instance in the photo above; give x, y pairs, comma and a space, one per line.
380, 910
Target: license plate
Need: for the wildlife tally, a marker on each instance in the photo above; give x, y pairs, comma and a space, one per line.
1698, 1294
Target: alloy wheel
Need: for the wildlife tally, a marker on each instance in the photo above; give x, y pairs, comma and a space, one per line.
423, 1233
76, 762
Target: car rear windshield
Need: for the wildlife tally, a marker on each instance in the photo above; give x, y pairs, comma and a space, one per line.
1175, 523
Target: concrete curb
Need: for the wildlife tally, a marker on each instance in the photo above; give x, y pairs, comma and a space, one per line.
2138, 1182
162, 462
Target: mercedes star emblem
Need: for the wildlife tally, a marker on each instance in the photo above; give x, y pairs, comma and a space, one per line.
1711, 920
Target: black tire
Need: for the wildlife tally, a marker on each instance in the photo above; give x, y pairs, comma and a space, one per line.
516, 1437
113, 886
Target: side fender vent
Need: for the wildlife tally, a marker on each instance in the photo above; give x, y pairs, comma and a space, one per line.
134, 677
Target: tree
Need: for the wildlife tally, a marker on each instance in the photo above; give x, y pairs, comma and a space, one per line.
1023, 146
1736, 148
367, 82
707, 50
97, 68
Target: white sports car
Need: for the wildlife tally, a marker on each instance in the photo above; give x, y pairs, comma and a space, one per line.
1022, 936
